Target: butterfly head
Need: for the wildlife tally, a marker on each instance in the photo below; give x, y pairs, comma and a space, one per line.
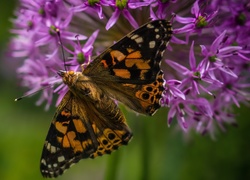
68, 77
62, 73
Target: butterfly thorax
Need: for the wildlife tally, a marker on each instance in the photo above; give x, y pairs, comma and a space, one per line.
81, 85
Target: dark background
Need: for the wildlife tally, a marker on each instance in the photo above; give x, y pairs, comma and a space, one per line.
155, 152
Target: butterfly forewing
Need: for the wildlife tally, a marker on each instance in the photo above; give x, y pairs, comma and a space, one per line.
131, 67
88, 122
136, 58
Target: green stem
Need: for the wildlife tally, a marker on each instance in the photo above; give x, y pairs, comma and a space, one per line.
112, 166
145, 152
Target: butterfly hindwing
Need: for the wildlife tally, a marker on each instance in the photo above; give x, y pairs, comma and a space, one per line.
146, 97
81, 131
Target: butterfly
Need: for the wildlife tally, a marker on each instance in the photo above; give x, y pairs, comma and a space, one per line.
88, 123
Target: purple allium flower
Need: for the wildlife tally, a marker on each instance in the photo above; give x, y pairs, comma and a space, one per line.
206, 66
123, 7
162, 9
198, 22
91, 6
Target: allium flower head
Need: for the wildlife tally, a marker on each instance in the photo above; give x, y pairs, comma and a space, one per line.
206, 66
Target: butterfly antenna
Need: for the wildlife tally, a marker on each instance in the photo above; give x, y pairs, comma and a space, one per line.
30, 94
60, 41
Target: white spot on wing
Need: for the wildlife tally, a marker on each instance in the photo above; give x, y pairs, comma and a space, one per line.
134, 36
52, 149
43, 162
150, 26
60, 159
151, 44
48, 146
139, 40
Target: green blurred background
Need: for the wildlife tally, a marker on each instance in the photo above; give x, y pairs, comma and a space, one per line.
156, 151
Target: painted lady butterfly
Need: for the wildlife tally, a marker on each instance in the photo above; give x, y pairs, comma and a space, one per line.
88, 123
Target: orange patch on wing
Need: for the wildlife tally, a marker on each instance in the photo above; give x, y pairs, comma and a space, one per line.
79, 126
95, 129
123, 73
142, 74
60, 126
139, 63
118, 55
78, 146
130, 50
71, 136
86, 143
104, 62
130, 85
65, 142
66, 113
69, 141
134, 55
59, 139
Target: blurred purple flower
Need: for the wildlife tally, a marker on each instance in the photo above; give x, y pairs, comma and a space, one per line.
195, 75
92, 6
198, 22
206, 68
